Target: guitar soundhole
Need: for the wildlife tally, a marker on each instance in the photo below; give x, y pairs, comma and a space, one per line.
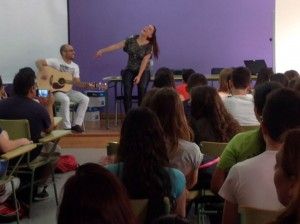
61, 81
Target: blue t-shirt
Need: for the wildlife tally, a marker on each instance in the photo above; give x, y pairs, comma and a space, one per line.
176, 176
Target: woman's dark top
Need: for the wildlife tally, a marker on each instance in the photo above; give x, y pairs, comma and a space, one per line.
203, 130
136, 53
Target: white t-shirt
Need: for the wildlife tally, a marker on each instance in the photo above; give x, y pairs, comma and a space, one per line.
250, 183
61, 65
241, 107
188, 157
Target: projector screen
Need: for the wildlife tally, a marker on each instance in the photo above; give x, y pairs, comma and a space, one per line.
287, 35
30, 30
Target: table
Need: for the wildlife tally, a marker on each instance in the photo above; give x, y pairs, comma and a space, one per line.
112, 82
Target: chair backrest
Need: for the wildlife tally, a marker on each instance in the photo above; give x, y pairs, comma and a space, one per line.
257, 216
140, 206
213, 148
249, 127
16, 128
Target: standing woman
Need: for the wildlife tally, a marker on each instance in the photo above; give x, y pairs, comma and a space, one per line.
140, 49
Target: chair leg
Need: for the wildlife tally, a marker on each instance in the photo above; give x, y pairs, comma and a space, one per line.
116, 114
15, 201
54, 185
31, 192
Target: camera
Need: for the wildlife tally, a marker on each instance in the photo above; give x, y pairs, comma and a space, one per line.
42, 92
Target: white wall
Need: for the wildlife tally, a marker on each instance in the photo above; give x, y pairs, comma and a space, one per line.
287, 35
30, 29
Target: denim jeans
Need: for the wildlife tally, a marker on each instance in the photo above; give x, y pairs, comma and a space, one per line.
127, 81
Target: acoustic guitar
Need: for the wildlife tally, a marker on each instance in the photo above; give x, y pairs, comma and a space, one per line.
55, 80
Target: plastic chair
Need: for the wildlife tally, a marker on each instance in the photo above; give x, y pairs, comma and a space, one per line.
20, 129
257, 216
208, 201
7, 177
249, 127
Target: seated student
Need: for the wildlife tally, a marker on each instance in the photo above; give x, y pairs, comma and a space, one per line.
263, 76
3, 94
223, 80
291, 74
6, 145
287, 178
182, 153
244, 145
181, 88
171, 219
164, 77
240, 103
194, 80
93, 195
250, 183
281, 78
210, 120
23, 106
143, 165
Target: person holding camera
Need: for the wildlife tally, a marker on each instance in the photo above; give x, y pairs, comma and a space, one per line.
66, 64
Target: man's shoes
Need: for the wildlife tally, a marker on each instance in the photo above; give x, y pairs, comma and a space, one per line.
43, 195
77, 129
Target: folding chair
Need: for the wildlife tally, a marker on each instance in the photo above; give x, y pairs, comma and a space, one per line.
7, 177
20, 129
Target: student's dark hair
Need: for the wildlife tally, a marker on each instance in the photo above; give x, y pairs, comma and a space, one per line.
207, 103
281, 112
290, 74
290, 164
196, 79
23, 81
143, 152
241, 77
62, 48
281, 78
261, 92
94, 195
169, 109
186, 73
148, 97
1, 82
171, 219
263, 76
164, 77
154, 43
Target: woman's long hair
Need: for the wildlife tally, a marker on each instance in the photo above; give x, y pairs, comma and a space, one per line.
290, 164
154, 43
142, 149
93, 195
206, 103
169, 109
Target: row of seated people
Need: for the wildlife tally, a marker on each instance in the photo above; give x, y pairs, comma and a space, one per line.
176, 151
152, 141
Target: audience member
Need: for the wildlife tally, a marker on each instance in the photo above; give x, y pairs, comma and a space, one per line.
181, 88
250, 183
287, 178
164, 77
244, 145
240, 104
23, 106
294, 83
223, 80
263, 76
182, 153
142, 164
281, 78
93, 195
210, 120
290, 74
3, 94
194, 80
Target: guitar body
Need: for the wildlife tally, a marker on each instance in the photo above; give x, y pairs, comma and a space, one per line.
55, 80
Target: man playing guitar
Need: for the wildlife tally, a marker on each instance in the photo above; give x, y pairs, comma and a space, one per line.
66, 64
